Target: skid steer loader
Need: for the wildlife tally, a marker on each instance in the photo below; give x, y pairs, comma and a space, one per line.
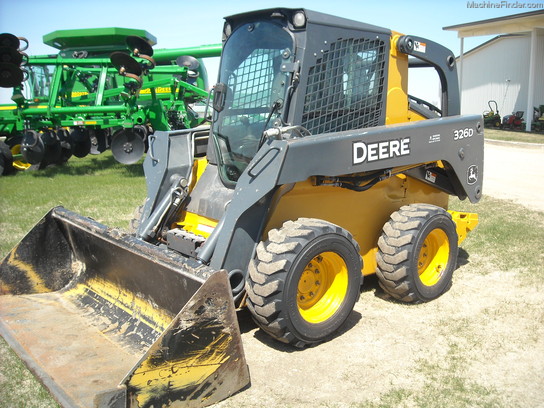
318, 168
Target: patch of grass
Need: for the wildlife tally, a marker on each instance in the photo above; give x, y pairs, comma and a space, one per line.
396, 397
95, 186
446, 382
511, 136
508, 235
17, 383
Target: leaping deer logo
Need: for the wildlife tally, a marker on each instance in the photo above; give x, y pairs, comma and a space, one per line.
472, 174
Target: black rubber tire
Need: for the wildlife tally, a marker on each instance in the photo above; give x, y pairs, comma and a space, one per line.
14, 144
273, 279
13, 140
6, 160
400, 254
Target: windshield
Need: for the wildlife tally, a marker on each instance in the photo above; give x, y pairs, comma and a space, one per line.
252, 91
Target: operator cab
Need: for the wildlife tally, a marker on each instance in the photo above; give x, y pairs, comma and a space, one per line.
339, 65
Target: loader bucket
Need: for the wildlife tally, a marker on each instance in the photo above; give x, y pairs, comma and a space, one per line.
106, 320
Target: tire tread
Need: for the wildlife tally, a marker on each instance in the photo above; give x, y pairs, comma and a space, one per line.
396, 247
268, 270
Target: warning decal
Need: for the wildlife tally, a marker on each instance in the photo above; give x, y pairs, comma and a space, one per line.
420, 46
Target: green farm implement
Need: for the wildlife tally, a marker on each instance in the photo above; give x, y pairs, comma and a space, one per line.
106, 88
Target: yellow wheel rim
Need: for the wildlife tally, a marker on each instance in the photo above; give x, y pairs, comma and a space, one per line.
18, 164
433, 257
322, 287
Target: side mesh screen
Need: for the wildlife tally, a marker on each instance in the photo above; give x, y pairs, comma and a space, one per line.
345, 87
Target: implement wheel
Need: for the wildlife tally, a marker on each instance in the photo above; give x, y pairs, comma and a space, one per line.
304, 281
417, 253
14, 143
6, 159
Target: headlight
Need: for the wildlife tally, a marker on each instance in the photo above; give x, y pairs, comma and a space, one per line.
227, 31
299, 19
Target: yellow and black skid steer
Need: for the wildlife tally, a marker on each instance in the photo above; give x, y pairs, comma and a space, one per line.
318, 169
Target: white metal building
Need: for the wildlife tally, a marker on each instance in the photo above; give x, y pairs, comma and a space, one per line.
508, 69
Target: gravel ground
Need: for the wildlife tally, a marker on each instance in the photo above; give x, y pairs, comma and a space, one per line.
514, 171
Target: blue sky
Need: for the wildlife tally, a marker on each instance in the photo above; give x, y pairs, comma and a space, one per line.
177, 23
